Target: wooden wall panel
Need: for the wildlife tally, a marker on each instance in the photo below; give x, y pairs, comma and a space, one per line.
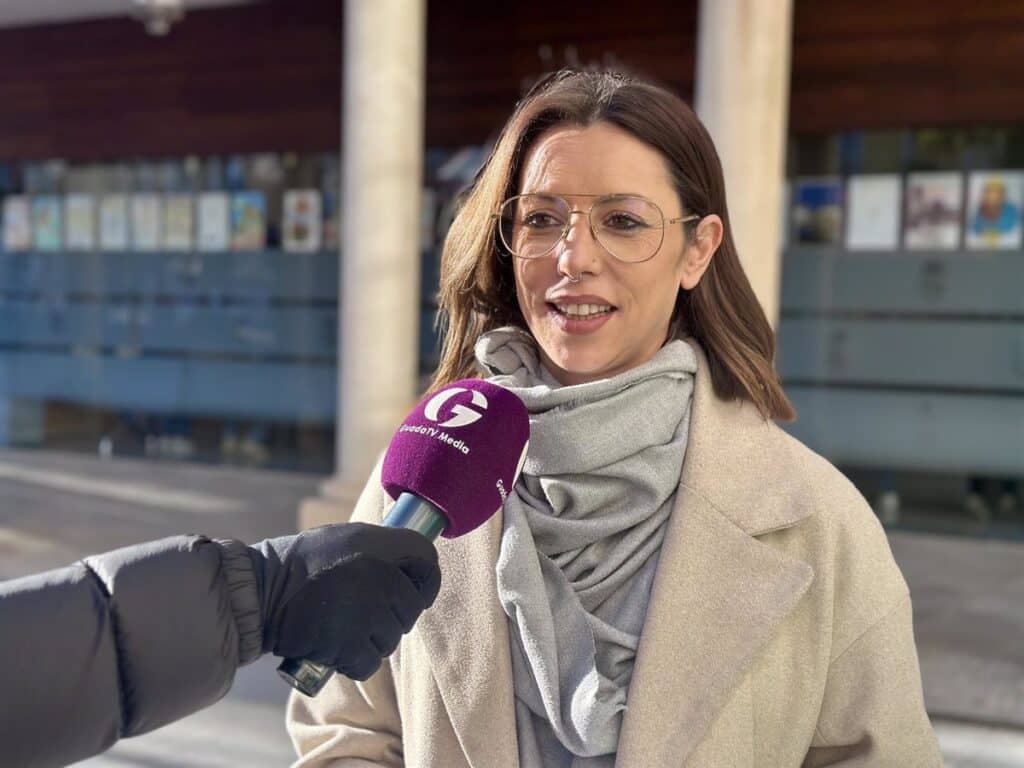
247, 78
856, 63
267, 76
874, 64
481, 56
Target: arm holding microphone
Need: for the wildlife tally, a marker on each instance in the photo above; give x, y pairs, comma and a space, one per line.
122, 643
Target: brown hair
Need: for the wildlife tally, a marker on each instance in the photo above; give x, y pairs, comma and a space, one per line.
477, 288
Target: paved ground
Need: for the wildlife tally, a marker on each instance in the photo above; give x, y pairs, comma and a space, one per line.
968, 599
54, 508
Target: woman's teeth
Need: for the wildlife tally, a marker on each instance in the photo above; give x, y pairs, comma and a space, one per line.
583, 310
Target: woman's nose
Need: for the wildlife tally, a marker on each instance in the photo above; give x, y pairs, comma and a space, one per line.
579, 250
578, 227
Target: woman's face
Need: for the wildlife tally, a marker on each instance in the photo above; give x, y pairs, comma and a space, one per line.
602, 159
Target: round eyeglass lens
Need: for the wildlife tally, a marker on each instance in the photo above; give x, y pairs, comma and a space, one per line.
629, 228
531, 224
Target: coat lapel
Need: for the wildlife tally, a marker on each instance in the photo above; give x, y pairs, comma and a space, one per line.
717, 599
467, 641
719, 594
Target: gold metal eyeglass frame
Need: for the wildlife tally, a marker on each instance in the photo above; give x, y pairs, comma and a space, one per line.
590, 223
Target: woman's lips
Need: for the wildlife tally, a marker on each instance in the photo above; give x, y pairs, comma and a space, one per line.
575, 324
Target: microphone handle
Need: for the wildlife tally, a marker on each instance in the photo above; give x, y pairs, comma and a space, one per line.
410, 511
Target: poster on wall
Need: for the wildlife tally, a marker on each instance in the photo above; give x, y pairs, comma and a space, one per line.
873, 212
817, 211
177, 227
80, 215
213, 225
145, 221
114, 223
932, 210
47, 229
302, 212
248, 221
17, 223
993, 218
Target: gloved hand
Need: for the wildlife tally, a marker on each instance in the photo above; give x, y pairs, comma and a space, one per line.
343, 595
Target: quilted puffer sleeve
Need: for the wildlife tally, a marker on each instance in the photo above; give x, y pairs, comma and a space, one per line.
119, 644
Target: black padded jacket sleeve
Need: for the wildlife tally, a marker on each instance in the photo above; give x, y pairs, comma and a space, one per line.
119, 644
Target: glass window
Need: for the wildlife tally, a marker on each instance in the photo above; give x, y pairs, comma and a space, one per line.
816, 155
873, 151
180, 307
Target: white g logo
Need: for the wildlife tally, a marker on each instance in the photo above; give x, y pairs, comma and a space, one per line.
462, 415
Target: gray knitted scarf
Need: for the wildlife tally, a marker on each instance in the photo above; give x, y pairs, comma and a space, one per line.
582, 534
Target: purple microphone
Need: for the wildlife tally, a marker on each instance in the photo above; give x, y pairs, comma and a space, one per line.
449, 467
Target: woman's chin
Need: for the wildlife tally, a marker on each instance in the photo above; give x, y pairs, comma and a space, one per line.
576, 371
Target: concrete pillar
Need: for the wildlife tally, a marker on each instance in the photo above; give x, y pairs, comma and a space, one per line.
742, 96
382, 165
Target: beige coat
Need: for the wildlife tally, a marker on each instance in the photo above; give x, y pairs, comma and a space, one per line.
778, 632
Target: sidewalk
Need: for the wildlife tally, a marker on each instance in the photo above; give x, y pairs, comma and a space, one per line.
57, 507
979, 746
968, 598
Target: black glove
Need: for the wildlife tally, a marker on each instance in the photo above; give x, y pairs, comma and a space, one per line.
343, 595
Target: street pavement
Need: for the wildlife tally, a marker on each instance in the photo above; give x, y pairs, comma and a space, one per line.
54, 508
968, 598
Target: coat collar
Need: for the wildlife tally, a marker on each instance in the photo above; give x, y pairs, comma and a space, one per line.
718, 597
739, 461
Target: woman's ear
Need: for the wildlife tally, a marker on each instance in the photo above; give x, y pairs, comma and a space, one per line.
700, 250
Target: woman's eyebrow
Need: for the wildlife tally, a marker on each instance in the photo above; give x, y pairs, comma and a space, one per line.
567, 195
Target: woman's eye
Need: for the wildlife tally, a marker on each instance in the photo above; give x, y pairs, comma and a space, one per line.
623, 222
540, 221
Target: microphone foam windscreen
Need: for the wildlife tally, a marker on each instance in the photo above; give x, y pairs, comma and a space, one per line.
461, 449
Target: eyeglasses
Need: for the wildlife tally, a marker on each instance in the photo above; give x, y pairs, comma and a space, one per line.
629, 227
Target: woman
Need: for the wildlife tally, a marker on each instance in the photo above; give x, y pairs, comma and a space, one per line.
675, 581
